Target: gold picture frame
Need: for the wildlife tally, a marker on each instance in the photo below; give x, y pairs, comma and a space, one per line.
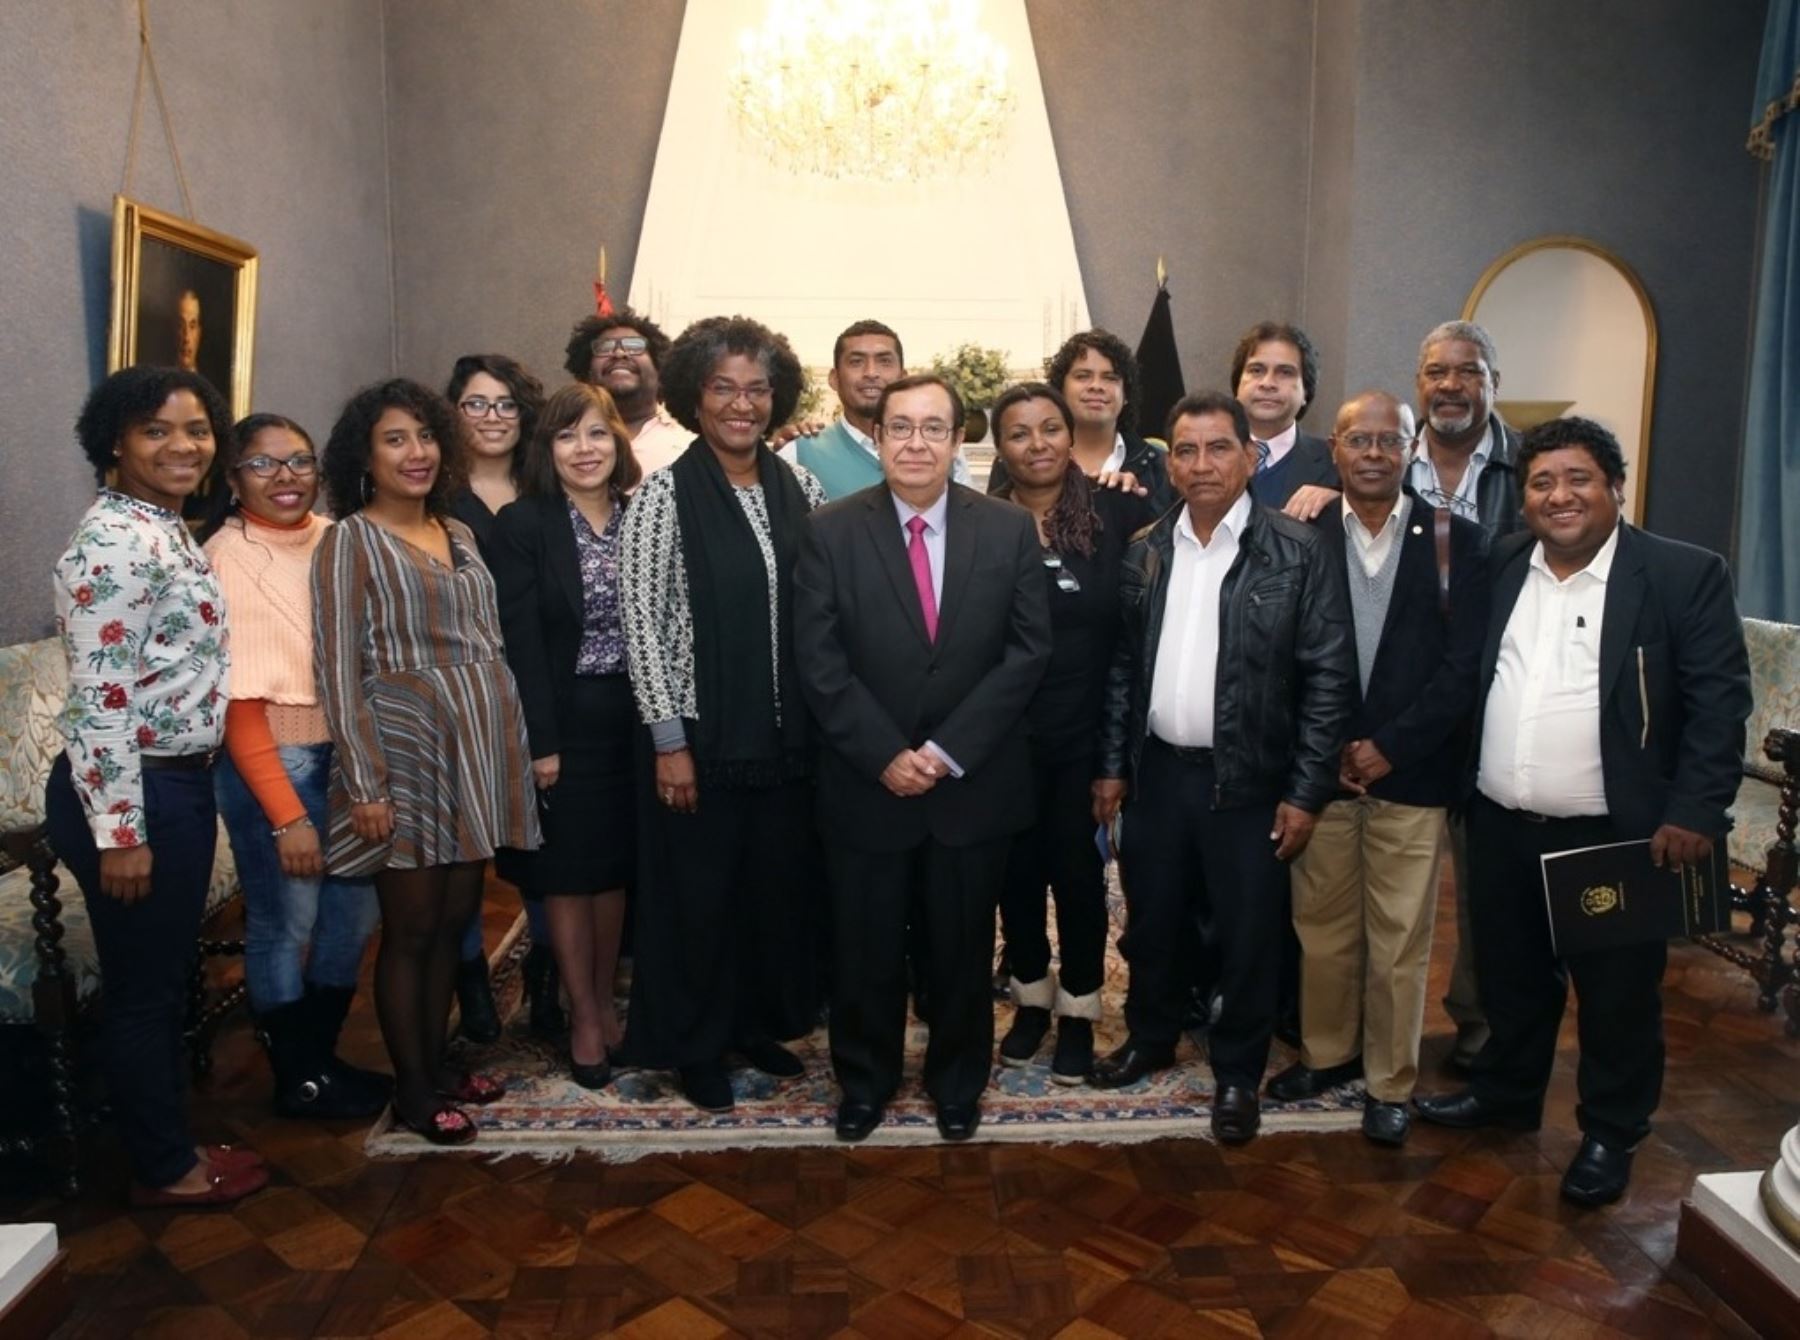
171, 279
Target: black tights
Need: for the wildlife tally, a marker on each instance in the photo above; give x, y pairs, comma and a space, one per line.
423, 913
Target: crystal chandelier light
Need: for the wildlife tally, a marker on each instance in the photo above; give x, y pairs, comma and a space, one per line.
871, 90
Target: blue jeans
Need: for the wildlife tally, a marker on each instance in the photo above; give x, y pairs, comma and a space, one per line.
319, 924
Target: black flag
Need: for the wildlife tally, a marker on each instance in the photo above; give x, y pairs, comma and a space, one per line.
1159, 367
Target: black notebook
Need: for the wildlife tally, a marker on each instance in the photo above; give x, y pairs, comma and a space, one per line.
1605, 897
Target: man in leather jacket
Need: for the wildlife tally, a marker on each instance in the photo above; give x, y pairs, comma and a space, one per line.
1226, 704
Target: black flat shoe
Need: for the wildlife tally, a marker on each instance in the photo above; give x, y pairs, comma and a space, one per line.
772, 1059
596, 1076
1385, 1123
1030, 1025
855, 1120
706, 1086
958, 1121
1129, 1064
1467, 1112
1300, 1081
1074, 1059
1598, 1176
1236, 1115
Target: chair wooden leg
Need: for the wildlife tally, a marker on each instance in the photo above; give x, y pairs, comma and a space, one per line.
53, 1011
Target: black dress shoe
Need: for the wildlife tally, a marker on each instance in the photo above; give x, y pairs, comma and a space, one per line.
1235, 1115
1386, 1123
772, 1059
596, 1076
855, 1120
1130, 1063
1302, 1081
958, 1121
707, 1086
1598, 1175
1466, 1112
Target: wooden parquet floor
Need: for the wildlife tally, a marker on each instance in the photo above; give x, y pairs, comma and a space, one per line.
1460, 1234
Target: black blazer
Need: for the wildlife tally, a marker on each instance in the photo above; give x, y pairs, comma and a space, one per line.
877, 686
1422, 686
1674, 680
538, 577
1307, 462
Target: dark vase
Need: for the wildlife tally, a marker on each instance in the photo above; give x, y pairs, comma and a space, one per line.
975, 425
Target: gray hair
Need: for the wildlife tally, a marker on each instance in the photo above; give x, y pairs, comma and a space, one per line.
1467, 331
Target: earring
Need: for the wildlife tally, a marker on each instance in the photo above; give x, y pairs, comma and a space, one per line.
368, 489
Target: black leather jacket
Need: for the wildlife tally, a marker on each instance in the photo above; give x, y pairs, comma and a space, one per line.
1286, 670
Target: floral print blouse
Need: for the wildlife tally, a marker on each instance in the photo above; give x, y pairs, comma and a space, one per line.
142, 623
602, 649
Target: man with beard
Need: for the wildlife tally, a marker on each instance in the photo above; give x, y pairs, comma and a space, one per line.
866, 357
1464, 461
621, 353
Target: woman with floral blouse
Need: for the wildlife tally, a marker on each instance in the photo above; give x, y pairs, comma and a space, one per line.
129, 804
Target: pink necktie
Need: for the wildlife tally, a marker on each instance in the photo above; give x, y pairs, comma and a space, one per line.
921, 567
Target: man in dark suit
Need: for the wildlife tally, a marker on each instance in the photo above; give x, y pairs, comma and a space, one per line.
921, 629
1224, 716
1275, 374
1365, 888
1613, 693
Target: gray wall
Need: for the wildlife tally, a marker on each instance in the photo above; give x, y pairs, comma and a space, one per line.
1351, 163
278, 112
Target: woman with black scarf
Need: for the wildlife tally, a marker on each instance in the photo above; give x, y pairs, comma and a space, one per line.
725, 935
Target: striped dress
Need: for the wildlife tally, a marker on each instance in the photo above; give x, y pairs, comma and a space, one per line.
423, 710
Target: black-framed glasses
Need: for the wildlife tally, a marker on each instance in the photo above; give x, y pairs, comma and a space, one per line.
302, 465
619, 344
1065, 580
477, 406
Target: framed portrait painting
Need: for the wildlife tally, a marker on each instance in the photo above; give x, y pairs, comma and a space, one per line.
182, 296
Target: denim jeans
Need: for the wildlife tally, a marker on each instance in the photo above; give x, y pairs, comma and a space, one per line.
145, 948
295, 930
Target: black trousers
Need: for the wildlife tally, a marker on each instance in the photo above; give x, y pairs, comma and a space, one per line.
1177, 849
955, 889
726, 902
1058, 851
146, 949
1524, 985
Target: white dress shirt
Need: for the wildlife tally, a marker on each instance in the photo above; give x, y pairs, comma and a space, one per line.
935, 516
1372, 549
1540, 735
1184, 682
1423, 476
1279, 445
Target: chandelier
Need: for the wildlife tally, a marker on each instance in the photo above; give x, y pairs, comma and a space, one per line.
871, 90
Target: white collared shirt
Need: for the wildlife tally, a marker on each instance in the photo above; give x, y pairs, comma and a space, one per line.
1183, 685
1372, 550
1540, 735
1116, 461
1279, 445
1423, 476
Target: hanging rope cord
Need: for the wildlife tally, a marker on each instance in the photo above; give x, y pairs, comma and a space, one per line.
147, 61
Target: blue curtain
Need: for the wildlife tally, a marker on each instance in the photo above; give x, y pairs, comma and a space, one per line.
1769, 535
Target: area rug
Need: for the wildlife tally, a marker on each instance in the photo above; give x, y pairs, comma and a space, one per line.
547, 1115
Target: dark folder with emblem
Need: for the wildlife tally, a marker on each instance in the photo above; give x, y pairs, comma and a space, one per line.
1604, 897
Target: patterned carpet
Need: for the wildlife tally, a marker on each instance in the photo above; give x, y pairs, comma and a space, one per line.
547, 1115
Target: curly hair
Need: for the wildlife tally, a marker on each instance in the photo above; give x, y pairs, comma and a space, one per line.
1264, 331
519, 384
566, 408
1110, 347
132, 396
578, 354
1467, 331
347, 451
698, 350
1072, 522
1572, 431
244, 433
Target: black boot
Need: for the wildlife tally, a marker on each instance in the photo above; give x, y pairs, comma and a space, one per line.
330, 1006
543, 988
475, 1001
304, 1084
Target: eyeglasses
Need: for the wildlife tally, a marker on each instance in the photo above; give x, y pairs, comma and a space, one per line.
302, 466
620, 344
1065, 580
477, 406
902, 430
1388, 442
756, 392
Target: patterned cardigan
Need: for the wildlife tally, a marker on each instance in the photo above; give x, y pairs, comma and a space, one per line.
659, 625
